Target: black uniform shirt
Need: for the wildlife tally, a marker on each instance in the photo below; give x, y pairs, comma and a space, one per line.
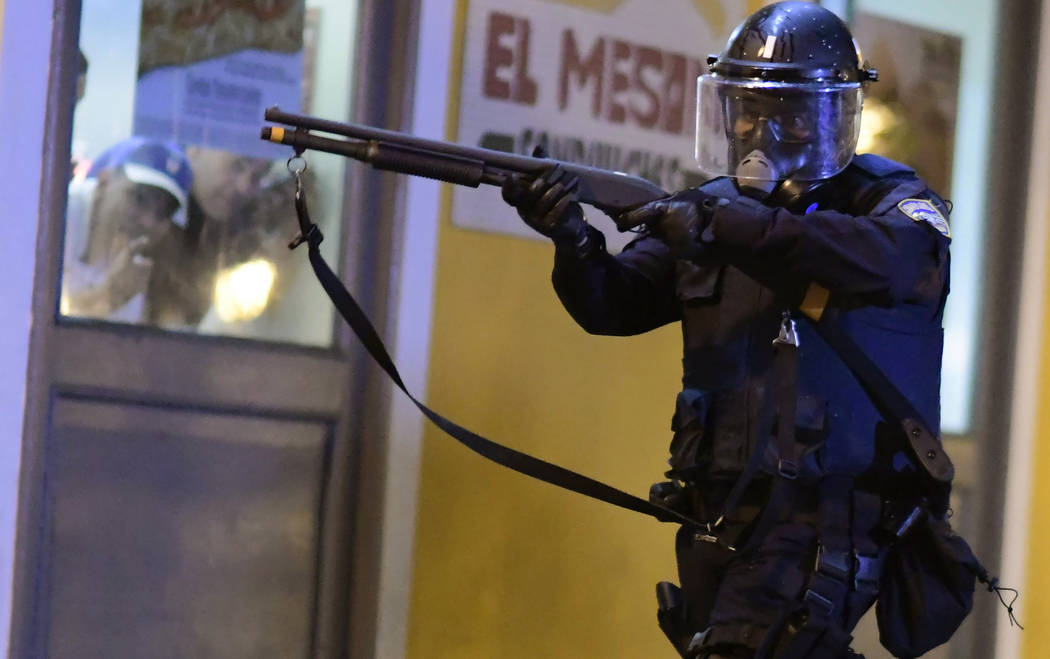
886, 269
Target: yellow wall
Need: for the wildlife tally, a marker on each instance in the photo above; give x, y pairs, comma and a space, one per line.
506, 566
1034, 606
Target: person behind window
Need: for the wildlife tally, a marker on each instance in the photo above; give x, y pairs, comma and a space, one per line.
132, 196
220, 205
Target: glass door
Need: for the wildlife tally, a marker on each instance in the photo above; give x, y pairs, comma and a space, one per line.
191, 446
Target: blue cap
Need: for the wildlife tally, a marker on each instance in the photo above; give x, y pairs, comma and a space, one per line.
159, 163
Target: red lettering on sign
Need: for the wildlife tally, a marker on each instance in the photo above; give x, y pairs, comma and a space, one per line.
524, 84
674, 95
506, 72
586, 70
646, 59
629, 83
620, 82
497, 56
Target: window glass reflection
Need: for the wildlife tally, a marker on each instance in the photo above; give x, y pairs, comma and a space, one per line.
930, 56
178, 215
119, 214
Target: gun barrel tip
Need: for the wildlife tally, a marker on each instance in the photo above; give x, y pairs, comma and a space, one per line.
274, 134
273, 109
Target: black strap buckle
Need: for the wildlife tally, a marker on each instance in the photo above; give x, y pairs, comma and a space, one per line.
788, 335
833, 564
787, 468
697, 642
711, 535
308, 231
818, 604
866, 573
313, 236
916, 514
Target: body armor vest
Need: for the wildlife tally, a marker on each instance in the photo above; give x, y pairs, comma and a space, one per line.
729, 321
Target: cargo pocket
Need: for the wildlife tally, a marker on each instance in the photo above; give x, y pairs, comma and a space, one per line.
694, 283
687, 445
811, 420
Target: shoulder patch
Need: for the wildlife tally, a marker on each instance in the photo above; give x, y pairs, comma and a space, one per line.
923, 210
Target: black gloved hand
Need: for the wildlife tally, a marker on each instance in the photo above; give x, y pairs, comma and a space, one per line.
679, 221
548, 205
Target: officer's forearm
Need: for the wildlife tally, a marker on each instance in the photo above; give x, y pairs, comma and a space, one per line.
864, 259
619, 295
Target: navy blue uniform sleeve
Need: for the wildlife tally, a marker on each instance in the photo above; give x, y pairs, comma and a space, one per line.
884, 258
630, 293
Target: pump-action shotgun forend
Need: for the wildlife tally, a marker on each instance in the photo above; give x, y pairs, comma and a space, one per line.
608, 191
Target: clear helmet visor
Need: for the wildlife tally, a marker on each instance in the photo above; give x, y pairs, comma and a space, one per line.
762, 132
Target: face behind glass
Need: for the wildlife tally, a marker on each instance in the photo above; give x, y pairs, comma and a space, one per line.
224, 182
127, 213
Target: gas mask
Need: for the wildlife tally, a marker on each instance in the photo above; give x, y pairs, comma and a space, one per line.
781, 105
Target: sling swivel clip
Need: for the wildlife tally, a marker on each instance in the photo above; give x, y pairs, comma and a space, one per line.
788, 332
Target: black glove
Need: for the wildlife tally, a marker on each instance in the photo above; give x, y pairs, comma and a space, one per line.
679, 221
548, 205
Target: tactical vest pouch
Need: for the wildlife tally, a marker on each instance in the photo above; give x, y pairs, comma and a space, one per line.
696, 284
688, 424
926, 589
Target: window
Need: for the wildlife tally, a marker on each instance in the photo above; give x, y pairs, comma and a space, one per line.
935, 117
178, 214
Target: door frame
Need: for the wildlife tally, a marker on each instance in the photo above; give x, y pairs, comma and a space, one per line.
25, 67
352, 395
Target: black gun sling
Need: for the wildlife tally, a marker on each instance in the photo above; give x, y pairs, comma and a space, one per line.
887, 398
883, 393
508, 457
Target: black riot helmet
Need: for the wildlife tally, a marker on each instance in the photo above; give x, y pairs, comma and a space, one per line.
781, 104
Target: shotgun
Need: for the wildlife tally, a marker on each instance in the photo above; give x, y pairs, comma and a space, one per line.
608, 191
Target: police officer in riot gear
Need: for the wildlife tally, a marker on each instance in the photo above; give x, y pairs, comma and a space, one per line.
777, 447
780, 109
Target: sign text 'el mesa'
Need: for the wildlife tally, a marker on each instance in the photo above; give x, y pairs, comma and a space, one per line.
618, 81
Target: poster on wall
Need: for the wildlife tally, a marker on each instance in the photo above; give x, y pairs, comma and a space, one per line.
910, 115
208, 70
607, 83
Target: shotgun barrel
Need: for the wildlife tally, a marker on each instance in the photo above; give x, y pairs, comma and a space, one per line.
609, 191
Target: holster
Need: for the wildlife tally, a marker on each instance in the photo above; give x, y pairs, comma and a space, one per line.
670, 614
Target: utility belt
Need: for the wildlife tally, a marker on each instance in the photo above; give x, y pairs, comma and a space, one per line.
849, 539
865, 548
828, 577
896, 516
